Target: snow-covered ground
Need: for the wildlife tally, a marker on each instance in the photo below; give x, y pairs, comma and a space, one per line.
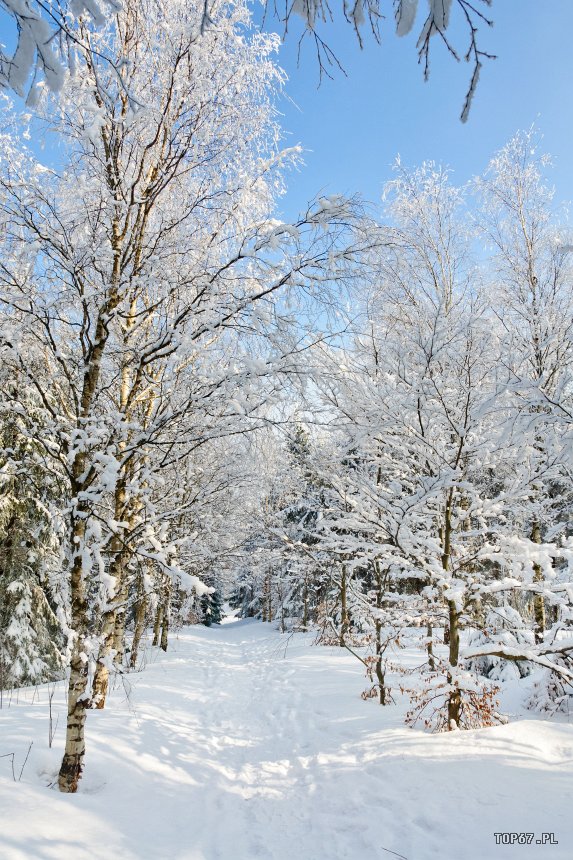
240, 743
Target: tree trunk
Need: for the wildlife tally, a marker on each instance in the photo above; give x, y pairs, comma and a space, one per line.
108, 626
455, 700
379, 669
430, 647
270, 599
119, 626
343, 608
113, 618
157, 623
165, 624
100, 683
72, 762
538, 599
380, 676
479, 613
139, 627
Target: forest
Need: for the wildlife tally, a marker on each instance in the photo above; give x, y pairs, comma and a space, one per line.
356, 425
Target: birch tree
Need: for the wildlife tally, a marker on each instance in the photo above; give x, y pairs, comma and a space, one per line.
152, 239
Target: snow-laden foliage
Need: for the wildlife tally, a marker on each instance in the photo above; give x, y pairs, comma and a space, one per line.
53, 37
354, 425
441, 439
367, 16
146, 271
33, 598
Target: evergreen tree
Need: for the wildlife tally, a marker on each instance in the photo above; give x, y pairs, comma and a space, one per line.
212, 606
32, 617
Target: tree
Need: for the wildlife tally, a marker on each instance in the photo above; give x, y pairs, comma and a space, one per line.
33, 610
52, 36
211, 605
432, 474
164, 249
108, 370
292, 527
533, 303
531, 296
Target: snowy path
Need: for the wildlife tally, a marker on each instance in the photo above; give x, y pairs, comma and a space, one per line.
241, 744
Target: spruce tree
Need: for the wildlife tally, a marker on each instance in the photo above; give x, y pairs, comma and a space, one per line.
32, 617
212, 606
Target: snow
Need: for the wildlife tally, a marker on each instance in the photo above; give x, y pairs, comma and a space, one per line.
243, 743
405, 16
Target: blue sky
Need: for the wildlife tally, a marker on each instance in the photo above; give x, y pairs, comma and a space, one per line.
352, 128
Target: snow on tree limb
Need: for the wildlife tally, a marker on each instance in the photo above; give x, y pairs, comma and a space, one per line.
533, 655
49, 34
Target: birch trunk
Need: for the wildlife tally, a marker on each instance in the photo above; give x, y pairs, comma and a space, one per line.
118, 642
72, 763
139, 628
101, 676
538, 600
157, 623
78, 700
